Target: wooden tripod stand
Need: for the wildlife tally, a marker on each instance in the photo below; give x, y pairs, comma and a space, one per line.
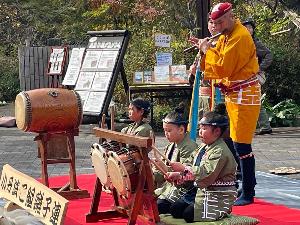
70, 190
144, 195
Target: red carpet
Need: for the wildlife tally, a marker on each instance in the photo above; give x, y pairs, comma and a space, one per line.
267, 213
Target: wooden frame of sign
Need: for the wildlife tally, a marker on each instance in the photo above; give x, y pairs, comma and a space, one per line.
101, 65
56, 64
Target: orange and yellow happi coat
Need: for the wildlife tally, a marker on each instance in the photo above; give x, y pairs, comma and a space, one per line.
232, 61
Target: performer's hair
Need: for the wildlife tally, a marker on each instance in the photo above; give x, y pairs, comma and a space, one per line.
180, 108
177, 117
140, 104
220, 109
215, 119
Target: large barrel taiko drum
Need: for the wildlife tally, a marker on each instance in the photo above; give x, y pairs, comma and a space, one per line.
48, 110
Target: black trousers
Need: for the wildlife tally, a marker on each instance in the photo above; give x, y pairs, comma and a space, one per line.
247, 168
163, 206
181, 209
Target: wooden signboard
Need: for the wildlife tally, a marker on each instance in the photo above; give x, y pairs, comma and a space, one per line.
39, 200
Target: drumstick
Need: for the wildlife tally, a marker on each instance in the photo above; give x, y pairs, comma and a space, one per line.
112, 117
156, 155
158, 167
152, 137
162, 155
103, 121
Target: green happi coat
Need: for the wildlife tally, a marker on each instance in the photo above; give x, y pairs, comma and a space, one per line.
179, 153
214, 199
140, 129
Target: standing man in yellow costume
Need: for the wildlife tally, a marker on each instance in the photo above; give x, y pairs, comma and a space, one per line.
233, 60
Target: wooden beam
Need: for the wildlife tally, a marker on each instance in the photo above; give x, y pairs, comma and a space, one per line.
123, 138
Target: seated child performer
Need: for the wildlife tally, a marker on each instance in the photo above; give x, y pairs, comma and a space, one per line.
138, 111
178, 150
213, 171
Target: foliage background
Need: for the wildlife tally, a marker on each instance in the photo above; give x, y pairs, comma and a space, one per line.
69, 20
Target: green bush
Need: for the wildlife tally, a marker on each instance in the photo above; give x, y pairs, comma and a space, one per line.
9, 86
283, 79
163, 106
9, 81
283, 114
160, 112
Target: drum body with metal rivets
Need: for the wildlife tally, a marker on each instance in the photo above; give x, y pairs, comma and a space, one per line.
48, 110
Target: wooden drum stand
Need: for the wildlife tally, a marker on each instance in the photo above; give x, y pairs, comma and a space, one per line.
144, 194
70, 190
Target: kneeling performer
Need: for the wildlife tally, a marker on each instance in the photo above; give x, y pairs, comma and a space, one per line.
213, 171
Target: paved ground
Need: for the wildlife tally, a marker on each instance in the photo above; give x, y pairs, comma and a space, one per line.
280, 149
18, 149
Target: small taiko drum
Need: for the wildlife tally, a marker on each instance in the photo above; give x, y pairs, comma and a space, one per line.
48, 110
123, 168
99, 161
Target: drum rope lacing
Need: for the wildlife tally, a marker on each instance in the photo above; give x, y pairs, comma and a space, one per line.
80, 111
28, 109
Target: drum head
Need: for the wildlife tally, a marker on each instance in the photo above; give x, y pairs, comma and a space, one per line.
20, 112
99, 161
118, 174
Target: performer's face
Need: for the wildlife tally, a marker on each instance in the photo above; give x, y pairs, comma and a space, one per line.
173, 133
211, 28
135, 114
209, 134
222, 24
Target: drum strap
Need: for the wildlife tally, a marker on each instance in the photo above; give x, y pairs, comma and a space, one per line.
171, 151
200, 155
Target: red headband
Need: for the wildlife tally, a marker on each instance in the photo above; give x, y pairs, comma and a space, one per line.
219, 10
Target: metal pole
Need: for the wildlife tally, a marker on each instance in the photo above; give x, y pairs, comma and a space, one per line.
202, 10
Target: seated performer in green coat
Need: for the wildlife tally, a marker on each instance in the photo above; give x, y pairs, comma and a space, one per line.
213, 170
138, 111
178, 150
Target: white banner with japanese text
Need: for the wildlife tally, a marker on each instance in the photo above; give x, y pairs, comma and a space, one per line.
39, 200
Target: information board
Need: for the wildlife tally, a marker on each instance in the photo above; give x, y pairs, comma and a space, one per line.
57, 61
100, 68
74, 66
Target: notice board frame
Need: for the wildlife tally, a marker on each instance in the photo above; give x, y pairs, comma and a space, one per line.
118, 67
